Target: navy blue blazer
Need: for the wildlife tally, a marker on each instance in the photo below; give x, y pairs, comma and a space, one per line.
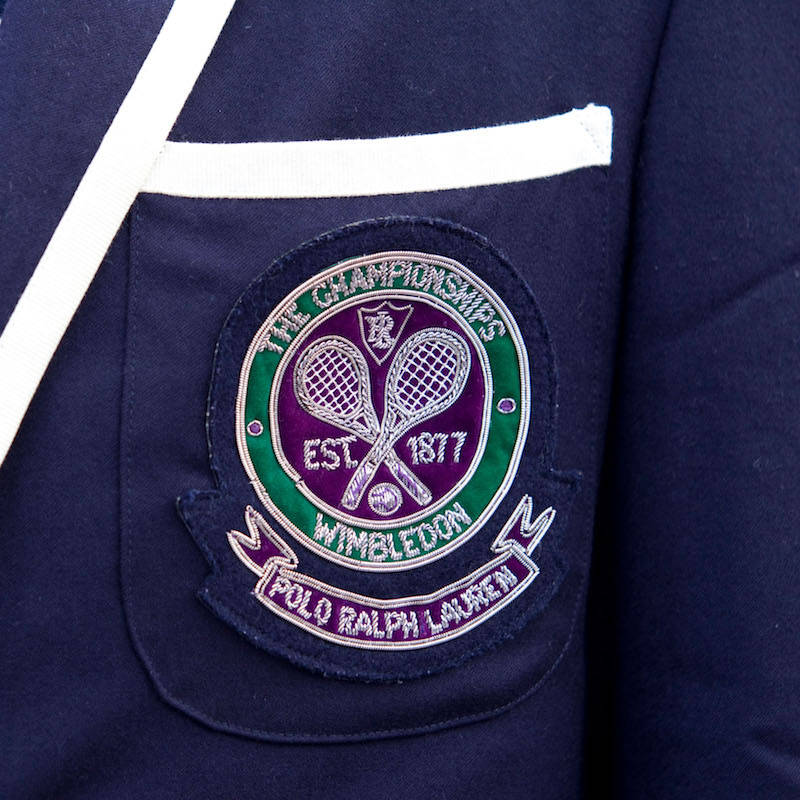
433, 471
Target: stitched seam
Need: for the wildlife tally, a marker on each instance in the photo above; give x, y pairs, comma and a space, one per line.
385, 732
625, 279
593, 138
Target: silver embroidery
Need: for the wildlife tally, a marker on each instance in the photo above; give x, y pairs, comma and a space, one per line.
426, 377
332, 383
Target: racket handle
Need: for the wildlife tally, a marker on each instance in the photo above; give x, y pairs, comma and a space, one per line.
366, 472
358, 483
417, 490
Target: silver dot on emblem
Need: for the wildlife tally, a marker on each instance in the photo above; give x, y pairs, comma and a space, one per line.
507, 405
255, 428
384, 498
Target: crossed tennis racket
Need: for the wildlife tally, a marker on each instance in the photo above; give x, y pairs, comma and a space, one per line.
427, 375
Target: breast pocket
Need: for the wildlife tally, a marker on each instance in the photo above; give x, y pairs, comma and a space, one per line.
341, 512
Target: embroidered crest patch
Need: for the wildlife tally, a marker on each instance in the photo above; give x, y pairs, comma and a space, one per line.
370, 424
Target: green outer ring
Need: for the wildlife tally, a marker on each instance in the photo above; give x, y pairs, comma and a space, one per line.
478, 493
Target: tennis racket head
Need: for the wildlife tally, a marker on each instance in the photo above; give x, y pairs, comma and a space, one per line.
427, 375
331, 382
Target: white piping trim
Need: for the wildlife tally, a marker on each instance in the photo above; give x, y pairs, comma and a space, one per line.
101, 201
355, 167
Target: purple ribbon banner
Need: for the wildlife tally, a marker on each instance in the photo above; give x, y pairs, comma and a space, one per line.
399, 623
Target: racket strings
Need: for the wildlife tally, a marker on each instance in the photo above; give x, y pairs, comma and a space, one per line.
333, 383
427, 376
